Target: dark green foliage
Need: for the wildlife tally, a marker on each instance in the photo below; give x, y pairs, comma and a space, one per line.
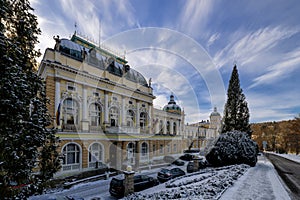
24, 118
236, 112
231, 148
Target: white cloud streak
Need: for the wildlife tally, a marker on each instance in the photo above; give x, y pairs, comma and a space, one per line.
195, 16
280, 70
252, 45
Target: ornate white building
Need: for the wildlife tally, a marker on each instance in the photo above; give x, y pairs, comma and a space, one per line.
103, 110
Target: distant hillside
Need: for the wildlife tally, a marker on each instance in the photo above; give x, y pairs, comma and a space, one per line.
282, 136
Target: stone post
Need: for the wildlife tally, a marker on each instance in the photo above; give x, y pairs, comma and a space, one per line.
128, 181
196, 160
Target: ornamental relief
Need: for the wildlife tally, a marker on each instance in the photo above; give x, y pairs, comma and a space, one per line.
130, 107
113, 103
93, 99
142, 109
73, 95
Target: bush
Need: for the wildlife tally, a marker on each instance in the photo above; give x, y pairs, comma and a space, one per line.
231, 148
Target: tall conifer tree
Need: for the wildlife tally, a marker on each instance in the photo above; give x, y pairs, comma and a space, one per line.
236, 112
24, 136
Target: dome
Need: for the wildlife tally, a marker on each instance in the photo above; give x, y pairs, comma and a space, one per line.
70, 49
215, 112
172, 107
135, 76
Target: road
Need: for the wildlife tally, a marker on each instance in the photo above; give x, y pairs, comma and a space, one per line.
94, 189
289, 171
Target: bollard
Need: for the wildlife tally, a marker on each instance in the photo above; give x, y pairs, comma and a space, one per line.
128, 181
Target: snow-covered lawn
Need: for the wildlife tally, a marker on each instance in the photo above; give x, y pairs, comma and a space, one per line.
232, 182
207, 184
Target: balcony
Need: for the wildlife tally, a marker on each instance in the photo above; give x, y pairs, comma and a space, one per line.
70, 127
123, 129
96, 129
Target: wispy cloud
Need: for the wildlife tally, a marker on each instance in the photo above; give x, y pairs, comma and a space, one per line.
270, 106
249, 47
195, 16
280, 70
212, 39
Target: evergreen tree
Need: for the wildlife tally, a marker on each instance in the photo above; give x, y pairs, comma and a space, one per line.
24, 136
236, 112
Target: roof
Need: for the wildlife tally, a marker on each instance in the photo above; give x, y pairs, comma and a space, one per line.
99, 58
215, 112
172, 107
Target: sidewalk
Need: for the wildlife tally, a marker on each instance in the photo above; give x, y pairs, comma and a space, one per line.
259, 182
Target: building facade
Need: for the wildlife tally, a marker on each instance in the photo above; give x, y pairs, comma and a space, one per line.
103, 109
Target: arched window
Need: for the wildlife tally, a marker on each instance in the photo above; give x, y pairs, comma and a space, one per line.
161, 127
144, 151
70, 111
143, 120
131, 153
130, 118
114, 116
95, 114
71, 159
168, 127
95, 154
174, 128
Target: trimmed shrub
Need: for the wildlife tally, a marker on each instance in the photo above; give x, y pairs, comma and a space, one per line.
231, 148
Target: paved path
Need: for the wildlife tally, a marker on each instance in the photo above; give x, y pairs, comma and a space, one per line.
259, 182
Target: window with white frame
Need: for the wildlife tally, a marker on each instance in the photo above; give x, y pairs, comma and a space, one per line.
70, 111
144, 151
95, 154
143, 120
95, 114
161, 127
71, 159
114, 116
130, 118
168, 148
161, 149
131, 153
174, 128
168, 127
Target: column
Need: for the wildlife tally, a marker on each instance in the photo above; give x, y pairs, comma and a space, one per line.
137, 114
84, 122
150, 119
157, 126
84, 103
137, 155
123, 112
165, 126
106, 111
171, 127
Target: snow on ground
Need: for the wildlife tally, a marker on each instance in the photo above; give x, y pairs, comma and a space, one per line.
259, 182
293, 157
232, 182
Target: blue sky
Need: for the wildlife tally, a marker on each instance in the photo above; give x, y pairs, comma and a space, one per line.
188, 48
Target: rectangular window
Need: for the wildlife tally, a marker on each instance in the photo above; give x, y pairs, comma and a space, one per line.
161, 149
71, 87
174, 148
168, 148
96, 94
